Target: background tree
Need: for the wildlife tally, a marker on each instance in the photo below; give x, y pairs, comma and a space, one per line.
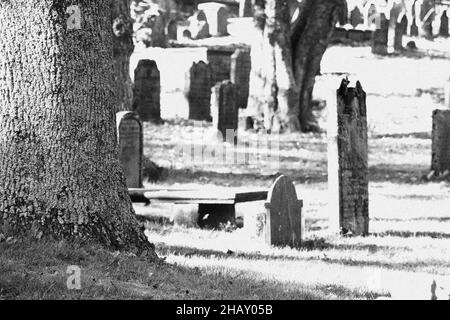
59, 171
286, 59
123, 48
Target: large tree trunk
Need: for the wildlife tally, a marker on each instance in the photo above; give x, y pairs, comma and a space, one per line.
59, 170
123, 48
272, 85
286, 59
311, 35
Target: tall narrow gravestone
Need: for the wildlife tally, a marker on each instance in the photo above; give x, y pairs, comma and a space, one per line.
130, 141
283, 222
198, 82
380, 36
245, 8
172, 30
147, 90
348, 169
240, 75
443, 28
217, 16
440, 147
224, 110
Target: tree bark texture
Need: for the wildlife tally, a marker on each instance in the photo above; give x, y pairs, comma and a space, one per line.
286, 59
59, 169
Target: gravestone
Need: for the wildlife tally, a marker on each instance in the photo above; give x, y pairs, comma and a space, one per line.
400, 29
224, 109
147, 91
241, 65
348, 169
217, 17
414, 29
130, 141
283, 223
199, 81
356, 17
404, 24
198, 25
443, 28
440, 147
172, 30
380, 36
372, 14
245, 8
220, 61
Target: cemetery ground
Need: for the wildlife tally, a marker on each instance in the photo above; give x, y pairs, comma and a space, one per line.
409, 242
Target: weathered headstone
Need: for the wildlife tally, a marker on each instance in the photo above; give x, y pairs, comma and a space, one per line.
348, 171
199, 81
220, 61
372, 14
224, 110
130, 141
400, 29
198, 25
443, 28
380, 36
217, 16
241, 65
440, 147
147, 91
245, 8
356, 17
414, 29
172, 30
283, 223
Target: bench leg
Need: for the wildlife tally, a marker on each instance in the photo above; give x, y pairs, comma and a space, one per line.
210, 216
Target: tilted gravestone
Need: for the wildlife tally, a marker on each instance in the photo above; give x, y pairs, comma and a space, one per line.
130, 141
241, 65
224, 110
283, 222
380, 36
356, 17
172, 30
440, 148
217, 16
198, 82
348, 169
443, 28
147, 91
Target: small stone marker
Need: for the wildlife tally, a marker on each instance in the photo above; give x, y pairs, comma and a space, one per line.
348, 169
245, 8
224, 109
217, 16
283, 223
380, 36
199, 81
130, 141
147, 90
443, 28
172, 30
356, 17
241, 65
440, 147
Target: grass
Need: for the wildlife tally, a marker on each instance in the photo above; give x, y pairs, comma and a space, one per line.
38, 271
